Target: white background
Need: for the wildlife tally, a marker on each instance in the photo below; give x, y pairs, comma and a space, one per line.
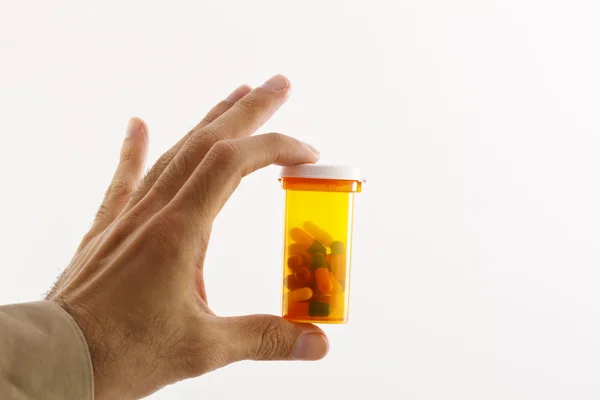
477, 247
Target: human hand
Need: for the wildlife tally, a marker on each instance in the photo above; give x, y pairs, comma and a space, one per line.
135, 286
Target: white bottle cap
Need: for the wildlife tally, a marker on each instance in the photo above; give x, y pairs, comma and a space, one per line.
317, 171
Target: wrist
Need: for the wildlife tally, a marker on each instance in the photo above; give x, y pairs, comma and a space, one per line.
98, 348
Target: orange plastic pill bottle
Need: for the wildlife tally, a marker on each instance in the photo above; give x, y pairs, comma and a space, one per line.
319, 214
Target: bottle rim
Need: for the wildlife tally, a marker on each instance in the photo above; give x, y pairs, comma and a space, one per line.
323, 171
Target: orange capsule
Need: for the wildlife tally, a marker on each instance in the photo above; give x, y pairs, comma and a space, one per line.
328, 259
323, 282
296, 310
337, 286
319, 234
295, 262
299, 236
337, 302
296, 248
338, 266
305, 242
302, 294
304, 276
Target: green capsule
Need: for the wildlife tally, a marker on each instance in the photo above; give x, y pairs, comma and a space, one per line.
318, 261
318, 309
316, 248
337, 247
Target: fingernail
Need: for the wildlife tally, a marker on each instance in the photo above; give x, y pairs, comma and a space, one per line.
310, 346
133, 127
276, 83
238, 94
312, 148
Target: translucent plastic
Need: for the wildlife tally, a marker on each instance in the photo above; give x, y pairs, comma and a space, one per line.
317, 249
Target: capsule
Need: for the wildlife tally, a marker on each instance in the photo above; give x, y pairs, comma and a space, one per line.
318, 261
318, 309
306, 258
317, 296
305, 241
291, 282
337, 304
337, 287
304, 276
300, 250
337, 247
297, 310
337, 260
323, 281
302, 294
298, 235
295, 262
319, 234
296, 248
338, 266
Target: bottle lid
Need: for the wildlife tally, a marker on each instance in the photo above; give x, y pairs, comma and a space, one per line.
322, 171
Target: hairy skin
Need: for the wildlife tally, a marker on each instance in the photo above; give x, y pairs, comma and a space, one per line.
135, 285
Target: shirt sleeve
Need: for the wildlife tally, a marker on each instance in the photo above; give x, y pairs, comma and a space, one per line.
43, 354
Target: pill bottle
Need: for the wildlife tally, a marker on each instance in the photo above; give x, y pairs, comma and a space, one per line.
319, 213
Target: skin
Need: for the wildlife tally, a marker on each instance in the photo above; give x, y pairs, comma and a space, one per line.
135, 285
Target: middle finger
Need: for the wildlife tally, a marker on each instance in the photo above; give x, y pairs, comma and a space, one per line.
241, 120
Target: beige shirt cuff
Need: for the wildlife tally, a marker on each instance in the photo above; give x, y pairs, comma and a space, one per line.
43, 354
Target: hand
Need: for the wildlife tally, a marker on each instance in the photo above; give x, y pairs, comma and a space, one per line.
135, 286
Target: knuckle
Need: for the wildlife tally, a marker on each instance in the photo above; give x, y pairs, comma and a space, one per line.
87, 239
178, 169
119, 187
150, 177
277, 138
101, 212
161, 164
136, 196
130, 220
224, 152
272, 340
277, 143
117, 232
204, 138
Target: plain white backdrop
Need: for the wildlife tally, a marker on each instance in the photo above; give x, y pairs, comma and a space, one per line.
476, 266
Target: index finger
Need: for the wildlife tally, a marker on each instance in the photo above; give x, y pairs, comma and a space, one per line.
227, 162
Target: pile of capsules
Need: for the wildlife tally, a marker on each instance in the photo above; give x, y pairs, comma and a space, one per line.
316, 283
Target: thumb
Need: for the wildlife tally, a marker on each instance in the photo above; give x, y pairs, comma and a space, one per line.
267, 337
